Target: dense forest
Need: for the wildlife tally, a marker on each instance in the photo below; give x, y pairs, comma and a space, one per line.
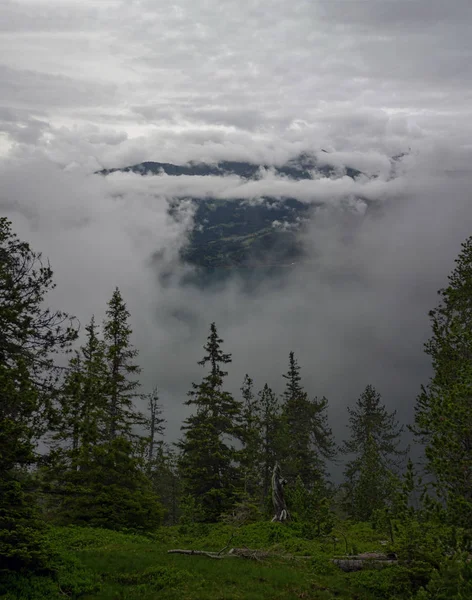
77, 458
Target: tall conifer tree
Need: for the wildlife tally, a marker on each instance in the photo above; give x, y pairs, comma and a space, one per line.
308, 437
98, 467
443, 410
29, 337
82, 417
375, 436
270, 428
250, 454
208, 460
122, 387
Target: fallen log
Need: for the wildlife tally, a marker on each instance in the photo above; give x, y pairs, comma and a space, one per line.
248, 553
372, 560
349, 565
251, 554
197, 553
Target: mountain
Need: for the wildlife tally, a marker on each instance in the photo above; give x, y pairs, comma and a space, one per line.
237, 234
299, 168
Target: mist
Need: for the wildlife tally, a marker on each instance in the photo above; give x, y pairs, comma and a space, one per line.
354, 310
88, 85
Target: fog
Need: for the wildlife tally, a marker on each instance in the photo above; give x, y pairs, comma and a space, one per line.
87, 85
354, 311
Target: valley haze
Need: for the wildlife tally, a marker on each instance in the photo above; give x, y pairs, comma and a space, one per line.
378, 92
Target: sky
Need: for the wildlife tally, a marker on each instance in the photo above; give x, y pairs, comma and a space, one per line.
91, 84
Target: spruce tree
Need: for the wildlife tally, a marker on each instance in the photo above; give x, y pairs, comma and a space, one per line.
443, 409
97, 469
163, 473
21, 528
121, 385
82, 417
161, 461
308, 440
211, 477
268, 420
110, 489
251, 436
29, 336
374, 440
81, 423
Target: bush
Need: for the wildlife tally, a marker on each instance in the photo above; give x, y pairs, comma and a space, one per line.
452, 581
68, 578
22, 533
389, 583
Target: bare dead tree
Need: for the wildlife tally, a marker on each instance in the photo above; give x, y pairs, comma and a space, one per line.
278, 495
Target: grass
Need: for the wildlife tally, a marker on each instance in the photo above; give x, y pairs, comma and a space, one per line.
96, 564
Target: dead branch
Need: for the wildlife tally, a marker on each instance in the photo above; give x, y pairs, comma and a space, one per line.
227, 545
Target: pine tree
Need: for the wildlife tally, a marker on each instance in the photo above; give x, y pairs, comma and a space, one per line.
268, 420
308, 438
82, 417
29, 337
443, 409
97, 469
374, 439
164, 475
161, 461
21, 528
122, 387
81, 422
310, 507
250, 454
210, 474
110, 489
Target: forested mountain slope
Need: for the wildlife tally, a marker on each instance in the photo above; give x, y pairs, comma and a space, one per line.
237, 233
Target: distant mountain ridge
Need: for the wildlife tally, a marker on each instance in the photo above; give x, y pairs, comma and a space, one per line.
236, 234
301, 167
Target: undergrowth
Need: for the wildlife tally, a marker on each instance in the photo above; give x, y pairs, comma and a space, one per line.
93, 564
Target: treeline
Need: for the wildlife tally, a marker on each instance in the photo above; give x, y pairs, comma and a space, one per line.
107, 464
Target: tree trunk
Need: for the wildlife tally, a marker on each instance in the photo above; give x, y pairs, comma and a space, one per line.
278, 496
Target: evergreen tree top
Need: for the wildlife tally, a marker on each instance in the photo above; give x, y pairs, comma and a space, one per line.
206, 391
369, 420
214, 354
293, 389
452, 319
28, 331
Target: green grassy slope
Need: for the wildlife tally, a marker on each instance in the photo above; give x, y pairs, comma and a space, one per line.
97, 564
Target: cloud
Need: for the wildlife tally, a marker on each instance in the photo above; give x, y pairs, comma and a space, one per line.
321, 189
355, 311
361, 75
86, 85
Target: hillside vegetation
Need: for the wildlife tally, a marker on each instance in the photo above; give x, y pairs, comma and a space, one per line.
95, 564
96, 512
242, 233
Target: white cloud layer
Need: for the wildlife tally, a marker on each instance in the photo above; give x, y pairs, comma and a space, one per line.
87, 84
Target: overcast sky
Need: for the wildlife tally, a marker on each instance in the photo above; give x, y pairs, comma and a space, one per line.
86, 84
108, 80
